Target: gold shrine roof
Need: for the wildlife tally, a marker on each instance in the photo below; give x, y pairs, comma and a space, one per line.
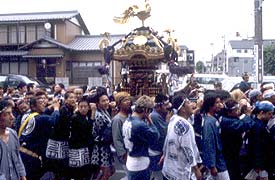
143, 41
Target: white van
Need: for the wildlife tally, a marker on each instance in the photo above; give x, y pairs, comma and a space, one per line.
207, 80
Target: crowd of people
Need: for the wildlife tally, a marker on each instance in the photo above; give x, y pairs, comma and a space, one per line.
194, 134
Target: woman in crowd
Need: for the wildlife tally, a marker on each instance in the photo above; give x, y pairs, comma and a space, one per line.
102, 134
80, 142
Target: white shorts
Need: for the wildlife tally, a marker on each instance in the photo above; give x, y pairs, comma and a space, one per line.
220, 176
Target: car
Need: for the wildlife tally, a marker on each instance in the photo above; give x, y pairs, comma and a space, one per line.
207, 80
13, 80
252, 84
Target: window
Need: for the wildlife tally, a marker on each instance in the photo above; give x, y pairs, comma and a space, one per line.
86, 64
5, 68
207, 80
97, 63
23, 68
14, 67
236, 59
40, 31
13, 82
245, 61
22, 33
30, 33
12, 35
239, 51
3, 34
245, 51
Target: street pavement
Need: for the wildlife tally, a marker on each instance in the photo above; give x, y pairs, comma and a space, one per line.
119, 174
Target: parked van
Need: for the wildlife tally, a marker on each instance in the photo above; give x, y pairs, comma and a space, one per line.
13, 80
207, 80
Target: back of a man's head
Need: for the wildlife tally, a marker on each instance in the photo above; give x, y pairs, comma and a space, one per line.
142, 103
21, 85
160, 99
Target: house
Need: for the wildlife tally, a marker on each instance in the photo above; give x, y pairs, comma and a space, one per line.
219, 62
47, 45
240, 56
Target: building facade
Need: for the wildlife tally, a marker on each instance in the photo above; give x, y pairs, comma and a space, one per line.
47, 45
219, 62
240, 56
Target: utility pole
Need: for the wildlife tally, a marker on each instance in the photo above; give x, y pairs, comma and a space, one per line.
258, 41
212, 57
225, 63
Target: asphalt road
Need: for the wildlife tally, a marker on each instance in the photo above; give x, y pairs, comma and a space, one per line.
119, 174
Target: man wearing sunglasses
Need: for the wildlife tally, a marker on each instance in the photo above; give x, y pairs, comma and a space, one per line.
181, 153
139, 132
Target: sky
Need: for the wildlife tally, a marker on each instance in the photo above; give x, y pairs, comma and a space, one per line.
201, 25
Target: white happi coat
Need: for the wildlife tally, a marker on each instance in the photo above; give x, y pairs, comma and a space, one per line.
180, 150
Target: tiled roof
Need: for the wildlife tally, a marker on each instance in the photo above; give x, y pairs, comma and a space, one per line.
49, 39
269, 42
46, 38
242, 44
37, 16
43, 16
44, 56
183, 47
13, 53
88, 43
249, 44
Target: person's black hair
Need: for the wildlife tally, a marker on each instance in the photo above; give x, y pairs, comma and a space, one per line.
40, 93
92, 88
160, 98
223, 94
91, 98
84, 88
177, 101
30, 93
61, 85
83, 100
245, 74
228, 104
209, 101
32, 102
4, 104
100, 91
29, 86
67, 94
210, 91
21, 85
139, 109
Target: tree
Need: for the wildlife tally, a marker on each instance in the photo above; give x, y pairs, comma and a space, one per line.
200, 67
269, 60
